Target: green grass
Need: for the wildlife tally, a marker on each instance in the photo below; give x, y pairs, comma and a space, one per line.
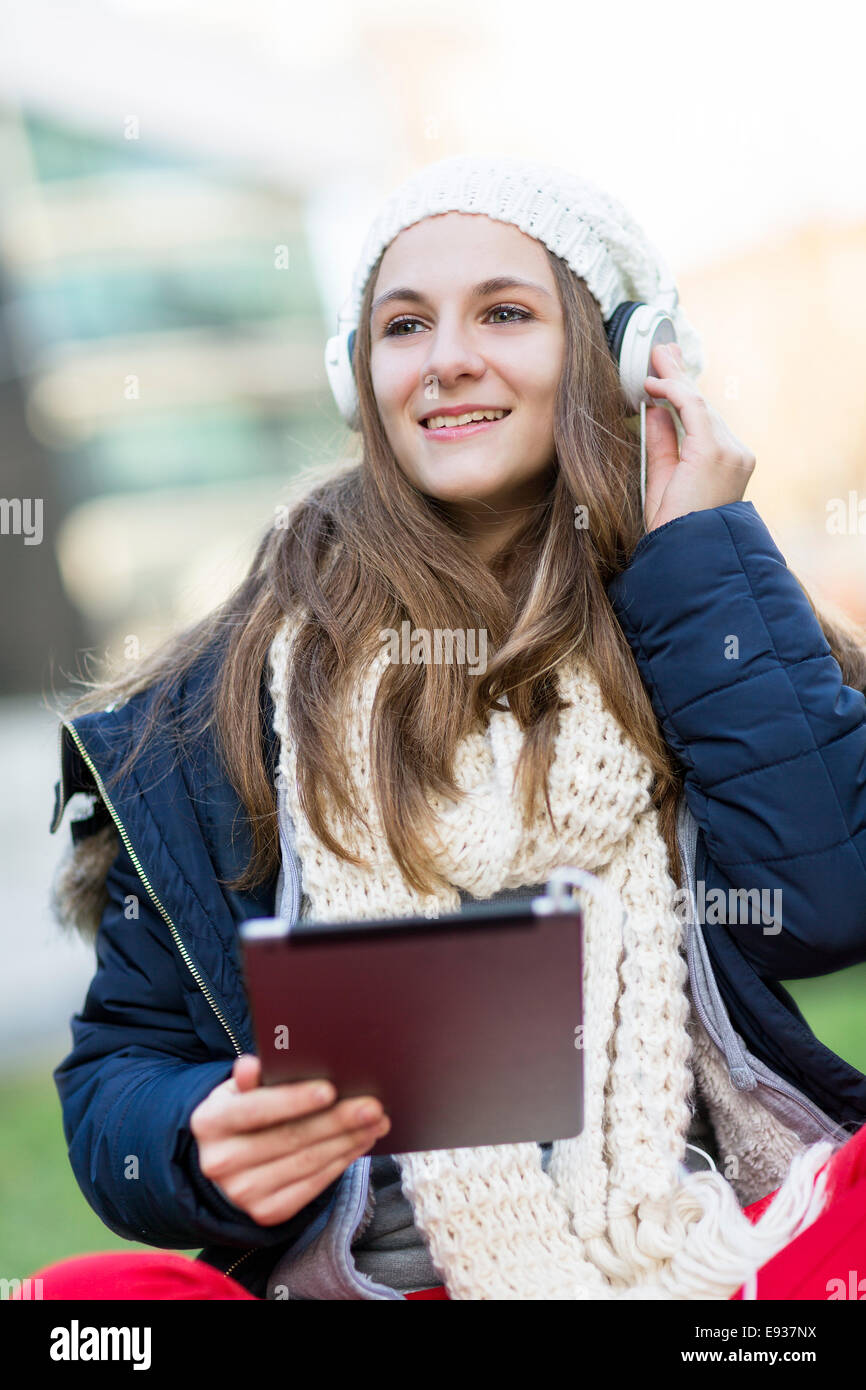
835, 1009
45, 1217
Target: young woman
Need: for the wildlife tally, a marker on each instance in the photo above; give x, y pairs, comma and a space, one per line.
658, 702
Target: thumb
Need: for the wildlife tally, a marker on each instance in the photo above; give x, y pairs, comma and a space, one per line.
247, 1071
662, 457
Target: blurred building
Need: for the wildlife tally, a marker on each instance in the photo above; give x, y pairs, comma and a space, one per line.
164, 347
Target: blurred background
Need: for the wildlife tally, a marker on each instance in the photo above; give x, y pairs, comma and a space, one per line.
184, 188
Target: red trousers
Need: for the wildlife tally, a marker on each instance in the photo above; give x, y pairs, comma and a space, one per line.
821, 1263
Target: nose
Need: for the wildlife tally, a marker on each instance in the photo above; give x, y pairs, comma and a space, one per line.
452, 354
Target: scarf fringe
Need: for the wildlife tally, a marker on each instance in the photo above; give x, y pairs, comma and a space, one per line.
724, 1249
706, 1250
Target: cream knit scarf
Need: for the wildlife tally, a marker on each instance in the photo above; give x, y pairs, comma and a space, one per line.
616, 1215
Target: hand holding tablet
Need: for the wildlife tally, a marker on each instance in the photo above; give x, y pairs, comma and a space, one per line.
271, 1150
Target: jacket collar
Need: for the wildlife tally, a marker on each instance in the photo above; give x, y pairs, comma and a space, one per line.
177, 815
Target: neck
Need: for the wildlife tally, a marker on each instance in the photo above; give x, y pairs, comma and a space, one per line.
489, 526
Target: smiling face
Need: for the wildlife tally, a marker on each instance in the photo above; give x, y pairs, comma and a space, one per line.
448, 342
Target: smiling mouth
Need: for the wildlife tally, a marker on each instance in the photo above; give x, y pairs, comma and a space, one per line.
455, 431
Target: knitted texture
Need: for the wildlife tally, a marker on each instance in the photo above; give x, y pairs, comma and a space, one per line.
617, 1215
587, 227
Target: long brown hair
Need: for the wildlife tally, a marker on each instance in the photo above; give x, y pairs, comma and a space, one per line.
365, 550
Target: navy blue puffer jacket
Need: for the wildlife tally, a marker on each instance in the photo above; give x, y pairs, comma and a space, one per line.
773, 745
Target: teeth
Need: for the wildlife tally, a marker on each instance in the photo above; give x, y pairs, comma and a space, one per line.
436, 422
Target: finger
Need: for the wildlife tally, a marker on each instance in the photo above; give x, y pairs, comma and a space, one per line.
662, 458
267, 1106
262, 1107
666, 360
345, 1118
246, 1072
264, 1184
661, 433
310, 1158
238, 1151
688, 403
287, 1201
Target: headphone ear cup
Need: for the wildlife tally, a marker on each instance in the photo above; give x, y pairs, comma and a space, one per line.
617, 324
632, 332
341, 375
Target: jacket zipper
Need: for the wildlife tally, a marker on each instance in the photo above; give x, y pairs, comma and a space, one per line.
287, 854
176, 937
169, 923
295, 882
244, 1256
764, 1076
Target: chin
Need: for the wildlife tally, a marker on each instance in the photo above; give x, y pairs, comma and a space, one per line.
469, 485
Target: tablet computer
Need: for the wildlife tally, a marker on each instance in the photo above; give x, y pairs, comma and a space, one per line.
466, 1026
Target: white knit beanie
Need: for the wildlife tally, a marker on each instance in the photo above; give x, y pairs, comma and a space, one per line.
587, 228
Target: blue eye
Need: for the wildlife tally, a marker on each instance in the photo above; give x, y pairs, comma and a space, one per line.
409, 318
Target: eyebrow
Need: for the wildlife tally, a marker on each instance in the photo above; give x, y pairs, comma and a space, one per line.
479, 291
